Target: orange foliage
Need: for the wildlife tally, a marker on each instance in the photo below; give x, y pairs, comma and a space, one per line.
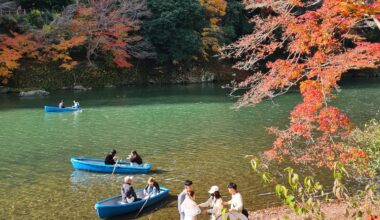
104, 30
17, 46
314, 43
12, 49
215, 9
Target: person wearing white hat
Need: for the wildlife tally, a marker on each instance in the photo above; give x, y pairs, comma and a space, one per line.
215, 203
128, 194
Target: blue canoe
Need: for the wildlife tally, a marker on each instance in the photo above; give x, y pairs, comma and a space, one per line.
113, 206
97, 165
56, 109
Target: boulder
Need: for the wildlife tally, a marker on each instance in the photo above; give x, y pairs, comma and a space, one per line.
39, 92
81, 88
207, 77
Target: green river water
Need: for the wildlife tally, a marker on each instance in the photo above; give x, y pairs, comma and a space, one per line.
187, 132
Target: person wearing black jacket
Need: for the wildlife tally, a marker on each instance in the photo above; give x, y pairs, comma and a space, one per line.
110, 158
135, 158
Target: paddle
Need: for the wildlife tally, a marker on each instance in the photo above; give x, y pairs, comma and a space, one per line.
114, 168
142, 207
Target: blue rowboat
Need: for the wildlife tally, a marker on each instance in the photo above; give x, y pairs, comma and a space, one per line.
113, 206
97, 165
56, 109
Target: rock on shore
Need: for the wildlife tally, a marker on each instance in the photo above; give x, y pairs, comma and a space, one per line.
39, 92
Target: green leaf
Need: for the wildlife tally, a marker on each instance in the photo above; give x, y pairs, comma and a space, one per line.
254, 163
298, 210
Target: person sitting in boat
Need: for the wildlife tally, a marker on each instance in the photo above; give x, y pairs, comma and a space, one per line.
152, 188
135, 158
110, 158
61, 104
75, 104
128, 194
215, 203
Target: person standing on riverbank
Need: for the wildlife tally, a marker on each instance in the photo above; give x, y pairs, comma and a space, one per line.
215, 203
182, 196
189, 207
236, 201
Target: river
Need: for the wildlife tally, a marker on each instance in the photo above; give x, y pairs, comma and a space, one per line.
187, 132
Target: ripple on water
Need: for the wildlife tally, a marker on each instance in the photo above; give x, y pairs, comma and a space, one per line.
185, 132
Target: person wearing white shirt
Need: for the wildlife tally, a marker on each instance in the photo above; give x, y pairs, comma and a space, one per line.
75, 104
236, 201
215, 203
189, 207
182, 196
61, 104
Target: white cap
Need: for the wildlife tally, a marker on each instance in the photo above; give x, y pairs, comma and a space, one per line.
213, 189
127, 178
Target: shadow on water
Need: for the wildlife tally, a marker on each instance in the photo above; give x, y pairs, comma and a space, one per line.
169, 94
158, 171
149, 210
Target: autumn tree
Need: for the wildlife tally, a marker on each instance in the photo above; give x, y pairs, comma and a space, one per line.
109, 27
215, 10
15, 47
12, 49
309, 44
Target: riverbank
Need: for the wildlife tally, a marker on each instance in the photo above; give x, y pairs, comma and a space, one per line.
332, 211
34, 76
40, 76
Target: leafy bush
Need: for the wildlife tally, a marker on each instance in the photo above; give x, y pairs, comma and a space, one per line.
305, 197
368, 140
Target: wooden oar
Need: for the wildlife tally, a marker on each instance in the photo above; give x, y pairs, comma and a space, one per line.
114, 168
143, 206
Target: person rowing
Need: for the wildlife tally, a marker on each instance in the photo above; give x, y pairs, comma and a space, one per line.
110, 158
61, 104
152, 188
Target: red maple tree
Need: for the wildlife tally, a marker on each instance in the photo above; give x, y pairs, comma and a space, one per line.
317, 43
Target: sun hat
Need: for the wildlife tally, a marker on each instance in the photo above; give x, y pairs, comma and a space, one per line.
213, 189
127, 178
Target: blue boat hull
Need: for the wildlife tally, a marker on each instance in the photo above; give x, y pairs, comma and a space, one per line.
97, 165
56, 109
112, 207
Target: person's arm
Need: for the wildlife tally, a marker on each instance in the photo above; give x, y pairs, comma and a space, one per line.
228, 202
133, 193
180, 201
206, 204
123, 195
145, 192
